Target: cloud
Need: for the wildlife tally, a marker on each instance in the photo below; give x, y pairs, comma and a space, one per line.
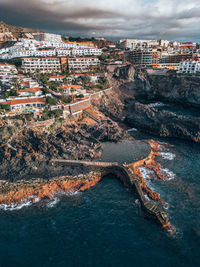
166, 19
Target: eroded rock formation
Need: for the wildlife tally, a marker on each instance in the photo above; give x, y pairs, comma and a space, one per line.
163, 123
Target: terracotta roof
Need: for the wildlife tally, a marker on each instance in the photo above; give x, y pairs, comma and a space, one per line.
63, 87
27, 82
75, 86
24, 101
31, 90
78, 74
58, 76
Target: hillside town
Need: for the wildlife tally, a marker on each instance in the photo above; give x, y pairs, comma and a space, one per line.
45, 75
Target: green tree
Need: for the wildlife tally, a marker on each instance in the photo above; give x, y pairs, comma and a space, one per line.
66, 100
51, 101
12, 92
5, 107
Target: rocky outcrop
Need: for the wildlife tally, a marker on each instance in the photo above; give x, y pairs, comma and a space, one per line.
169, 87
28, 152
126, 73
163, 123
13, 193
162, 86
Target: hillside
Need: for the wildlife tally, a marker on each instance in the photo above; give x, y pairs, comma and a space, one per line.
10, 32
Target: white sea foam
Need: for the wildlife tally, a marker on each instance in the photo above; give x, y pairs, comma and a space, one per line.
13, 206
26, 202
53, 202
166, 206
146, 197
137, 202
157, 104
146, 173
167, 155
169, 174
133, 130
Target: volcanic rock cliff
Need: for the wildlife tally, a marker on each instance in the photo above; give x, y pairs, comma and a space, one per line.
168, 87
133, 87
27, 153
163, 123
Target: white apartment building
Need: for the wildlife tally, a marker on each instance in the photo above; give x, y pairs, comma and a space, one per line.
47, 64
7, 70
45, 53
137, 44
87, 52
61, 52
48, 37
82, 63
189, 67
164, 43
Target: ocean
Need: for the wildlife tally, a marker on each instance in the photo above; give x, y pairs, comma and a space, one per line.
104, 225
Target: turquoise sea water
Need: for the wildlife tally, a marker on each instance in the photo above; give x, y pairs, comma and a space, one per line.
104, 225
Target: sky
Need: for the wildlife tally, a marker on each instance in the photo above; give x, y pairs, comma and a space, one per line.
144, 19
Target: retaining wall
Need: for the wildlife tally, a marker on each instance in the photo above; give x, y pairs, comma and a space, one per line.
86, 103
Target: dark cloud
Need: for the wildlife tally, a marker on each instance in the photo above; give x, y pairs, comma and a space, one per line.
150, 21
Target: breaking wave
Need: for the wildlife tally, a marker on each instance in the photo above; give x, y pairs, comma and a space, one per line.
53, 202
132, 130
167, 155
157, 104
169, 174
27, 202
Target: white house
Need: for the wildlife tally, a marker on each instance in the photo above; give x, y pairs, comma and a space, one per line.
58, 78
189, 67
23, 103
30, 92
65, 89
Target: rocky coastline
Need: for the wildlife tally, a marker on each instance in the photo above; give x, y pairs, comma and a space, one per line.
26, 172
23, 191
27, 154
134, 87
163, 123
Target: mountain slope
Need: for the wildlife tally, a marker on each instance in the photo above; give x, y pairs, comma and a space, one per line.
9, 32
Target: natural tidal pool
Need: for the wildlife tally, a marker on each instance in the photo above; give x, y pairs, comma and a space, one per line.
104, 226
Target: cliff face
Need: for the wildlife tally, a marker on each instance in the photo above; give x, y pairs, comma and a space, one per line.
133, 86
174, 88
163, 123
126, 73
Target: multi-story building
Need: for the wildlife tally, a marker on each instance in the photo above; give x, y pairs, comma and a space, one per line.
47, 64
7, 73
62, 52
7, 70
48, 37
82, 63
137, 44
189, 67
45, 53
143, 58
174, 58
87, 52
